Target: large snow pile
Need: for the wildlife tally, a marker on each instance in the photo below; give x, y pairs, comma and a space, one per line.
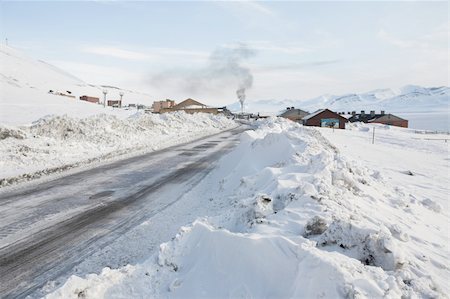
297, 219
57, 143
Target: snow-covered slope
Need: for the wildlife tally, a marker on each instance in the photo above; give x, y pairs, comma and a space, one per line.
25, 84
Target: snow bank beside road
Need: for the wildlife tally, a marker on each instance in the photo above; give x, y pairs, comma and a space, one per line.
57, 143
298, 219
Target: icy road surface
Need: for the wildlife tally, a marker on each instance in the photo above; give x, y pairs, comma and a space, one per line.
46, 230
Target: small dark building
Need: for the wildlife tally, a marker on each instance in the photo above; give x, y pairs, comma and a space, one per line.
325, 118
89, 99
114, 103
379, 118
294, 114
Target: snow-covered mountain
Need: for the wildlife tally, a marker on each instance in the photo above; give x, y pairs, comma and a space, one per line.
25, 84
409, 98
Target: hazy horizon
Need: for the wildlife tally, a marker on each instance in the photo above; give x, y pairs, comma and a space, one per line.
205, 50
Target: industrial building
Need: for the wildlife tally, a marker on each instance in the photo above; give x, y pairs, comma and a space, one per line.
294, 114
380, 118
190, 106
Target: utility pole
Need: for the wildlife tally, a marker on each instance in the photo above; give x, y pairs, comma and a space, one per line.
121, 95
105, 92
373, 136
6, 41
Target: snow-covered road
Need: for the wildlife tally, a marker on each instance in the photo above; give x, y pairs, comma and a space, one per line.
48, 229
296, 212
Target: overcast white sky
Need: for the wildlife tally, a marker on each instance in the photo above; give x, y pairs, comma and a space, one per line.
295, 50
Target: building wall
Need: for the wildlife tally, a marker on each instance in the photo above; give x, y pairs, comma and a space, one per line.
316, 120
294, 115
158, 105
89, 99
398, 123
114, 102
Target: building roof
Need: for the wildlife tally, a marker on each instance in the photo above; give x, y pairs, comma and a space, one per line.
311, 115
314, 114
386, 117
373, 117
294, 111
364, 117
187, 103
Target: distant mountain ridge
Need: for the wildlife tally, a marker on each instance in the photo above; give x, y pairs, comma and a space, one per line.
410, 98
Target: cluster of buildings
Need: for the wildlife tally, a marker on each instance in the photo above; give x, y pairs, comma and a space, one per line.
189, 106
328, 118
319, 118
110, 103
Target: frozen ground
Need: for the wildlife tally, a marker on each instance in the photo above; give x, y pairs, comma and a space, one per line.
58, 143
302, 212
431, 121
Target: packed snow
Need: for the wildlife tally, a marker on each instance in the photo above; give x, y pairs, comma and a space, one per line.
57, 143
304, 212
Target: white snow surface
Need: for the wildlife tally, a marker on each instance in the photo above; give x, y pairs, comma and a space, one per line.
56, 143
24, 91
304, 212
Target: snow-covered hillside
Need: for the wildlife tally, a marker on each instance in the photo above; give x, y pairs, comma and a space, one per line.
425, 108
25, 84
300, 212
43, 133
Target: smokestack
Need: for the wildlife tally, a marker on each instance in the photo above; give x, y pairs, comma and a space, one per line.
382, 112
372, 112
241, 96
363, 112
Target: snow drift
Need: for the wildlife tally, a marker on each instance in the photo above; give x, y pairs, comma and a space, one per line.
298, 219
57, 143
